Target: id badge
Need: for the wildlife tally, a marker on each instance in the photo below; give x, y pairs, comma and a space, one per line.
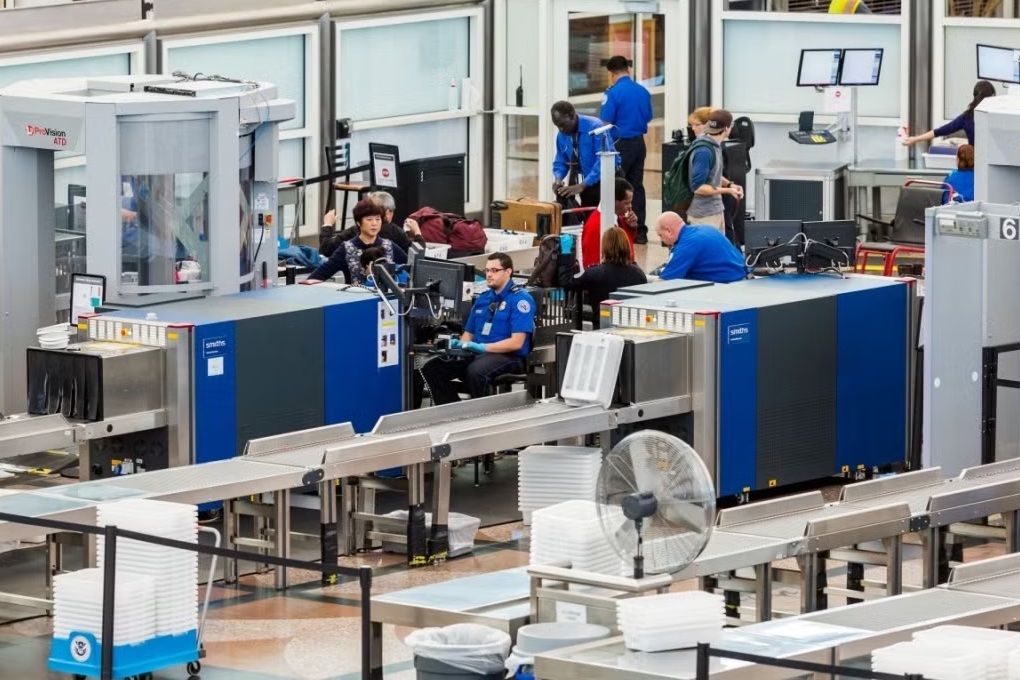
487, 328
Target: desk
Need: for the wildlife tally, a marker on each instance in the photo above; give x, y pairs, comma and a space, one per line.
880, 173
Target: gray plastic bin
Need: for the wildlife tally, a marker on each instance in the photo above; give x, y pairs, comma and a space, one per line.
431, 669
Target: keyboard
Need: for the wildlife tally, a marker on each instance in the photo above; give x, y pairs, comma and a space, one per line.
812, 137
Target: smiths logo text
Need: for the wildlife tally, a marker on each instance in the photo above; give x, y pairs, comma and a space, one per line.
738, 333
59, 137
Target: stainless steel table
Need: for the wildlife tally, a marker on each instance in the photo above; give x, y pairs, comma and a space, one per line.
882, 173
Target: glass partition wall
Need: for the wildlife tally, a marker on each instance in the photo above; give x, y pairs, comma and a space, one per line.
535, 67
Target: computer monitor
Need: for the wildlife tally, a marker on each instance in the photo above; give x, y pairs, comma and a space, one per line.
1001, 64
818, 68
455, 283
87, 293
861, 66
384, 165
838, 234
763, 235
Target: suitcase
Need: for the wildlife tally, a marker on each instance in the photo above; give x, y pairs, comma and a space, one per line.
527, 214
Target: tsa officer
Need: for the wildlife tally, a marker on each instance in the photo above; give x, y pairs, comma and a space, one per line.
498, 331
628, 106
576, 168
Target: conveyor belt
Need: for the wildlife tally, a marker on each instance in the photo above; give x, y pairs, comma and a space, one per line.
1004, 586
910, 609
786, 527
728, 551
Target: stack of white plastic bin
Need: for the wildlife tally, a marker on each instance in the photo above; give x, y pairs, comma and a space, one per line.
570, 532
671, 621
953, 653
78, 606
176, 589
552, 474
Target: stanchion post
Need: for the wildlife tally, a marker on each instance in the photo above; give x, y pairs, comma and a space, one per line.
365, 580
109, 593
701, 667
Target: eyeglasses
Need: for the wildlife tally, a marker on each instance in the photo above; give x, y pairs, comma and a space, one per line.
494, 270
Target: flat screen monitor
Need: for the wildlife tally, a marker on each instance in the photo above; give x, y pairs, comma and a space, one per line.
1001, 64
841, 234
384, 164
87, 293
861, 66
455, 279
761, 235
818, 68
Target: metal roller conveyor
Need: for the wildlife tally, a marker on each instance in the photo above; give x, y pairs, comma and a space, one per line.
32, 434
481, 426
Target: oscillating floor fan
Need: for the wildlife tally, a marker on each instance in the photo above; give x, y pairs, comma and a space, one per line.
656, 502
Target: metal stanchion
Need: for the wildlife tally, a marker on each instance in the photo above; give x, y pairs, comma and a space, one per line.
109, 593
365, 580
701, 662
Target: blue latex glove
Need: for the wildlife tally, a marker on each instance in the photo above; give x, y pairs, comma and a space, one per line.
566, 244
454, 343
476, 347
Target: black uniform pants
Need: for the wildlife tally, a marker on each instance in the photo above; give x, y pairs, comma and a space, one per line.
632, 168
475, 374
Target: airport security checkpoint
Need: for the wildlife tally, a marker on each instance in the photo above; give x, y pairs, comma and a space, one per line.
292, 385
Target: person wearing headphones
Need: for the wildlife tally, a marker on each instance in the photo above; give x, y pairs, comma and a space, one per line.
498, 332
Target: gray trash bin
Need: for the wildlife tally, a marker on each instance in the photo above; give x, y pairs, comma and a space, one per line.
463, 651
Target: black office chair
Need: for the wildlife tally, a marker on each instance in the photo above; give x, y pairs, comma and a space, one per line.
905, 234
338, 162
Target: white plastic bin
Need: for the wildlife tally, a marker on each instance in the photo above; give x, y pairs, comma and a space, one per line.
504, 240
437, 250
462, 530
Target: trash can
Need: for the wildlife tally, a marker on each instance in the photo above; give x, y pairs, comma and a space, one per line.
463, 651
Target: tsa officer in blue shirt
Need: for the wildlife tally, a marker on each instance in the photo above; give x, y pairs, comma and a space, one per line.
628, 106
498, 331
576, 166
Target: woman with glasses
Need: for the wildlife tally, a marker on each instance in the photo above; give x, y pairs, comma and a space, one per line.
497, 332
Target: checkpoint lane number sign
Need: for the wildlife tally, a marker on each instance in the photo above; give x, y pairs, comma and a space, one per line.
1009, 228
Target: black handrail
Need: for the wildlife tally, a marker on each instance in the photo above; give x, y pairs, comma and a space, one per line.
706, 651
111, 533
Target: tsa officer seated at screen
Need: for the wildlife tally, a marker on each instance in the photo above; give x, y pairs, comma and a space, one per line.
698, 252
498, 331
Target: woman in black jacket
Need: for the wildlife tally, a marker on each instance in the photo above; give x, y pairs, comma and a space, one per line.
616, 271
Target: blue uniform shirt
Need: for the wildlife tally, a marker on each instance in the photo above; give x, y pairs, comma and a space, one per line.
628, 106
509, 312
704, 254
588, 147
962, 182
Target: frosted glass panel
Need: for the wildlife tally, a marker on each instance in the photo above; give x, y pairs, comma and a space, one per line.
423, 140
419, 60
280, 61
106, 65
292, 158
961, 62
760, 61
521, 55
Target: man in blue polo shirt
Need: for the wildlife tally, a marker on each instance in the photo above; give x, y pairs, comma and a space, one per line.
576, 166
698, 252
628, 106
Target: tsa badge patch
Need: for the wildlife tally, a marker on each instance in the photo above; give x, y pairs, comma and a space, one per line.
523, 306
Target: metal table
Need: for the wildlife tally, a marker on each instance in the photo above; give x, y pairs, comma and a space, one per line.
883, 173
498, 599
980, 594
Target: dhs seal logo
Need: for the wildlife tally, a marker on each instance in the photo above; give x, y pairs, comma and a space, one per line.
81, 648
